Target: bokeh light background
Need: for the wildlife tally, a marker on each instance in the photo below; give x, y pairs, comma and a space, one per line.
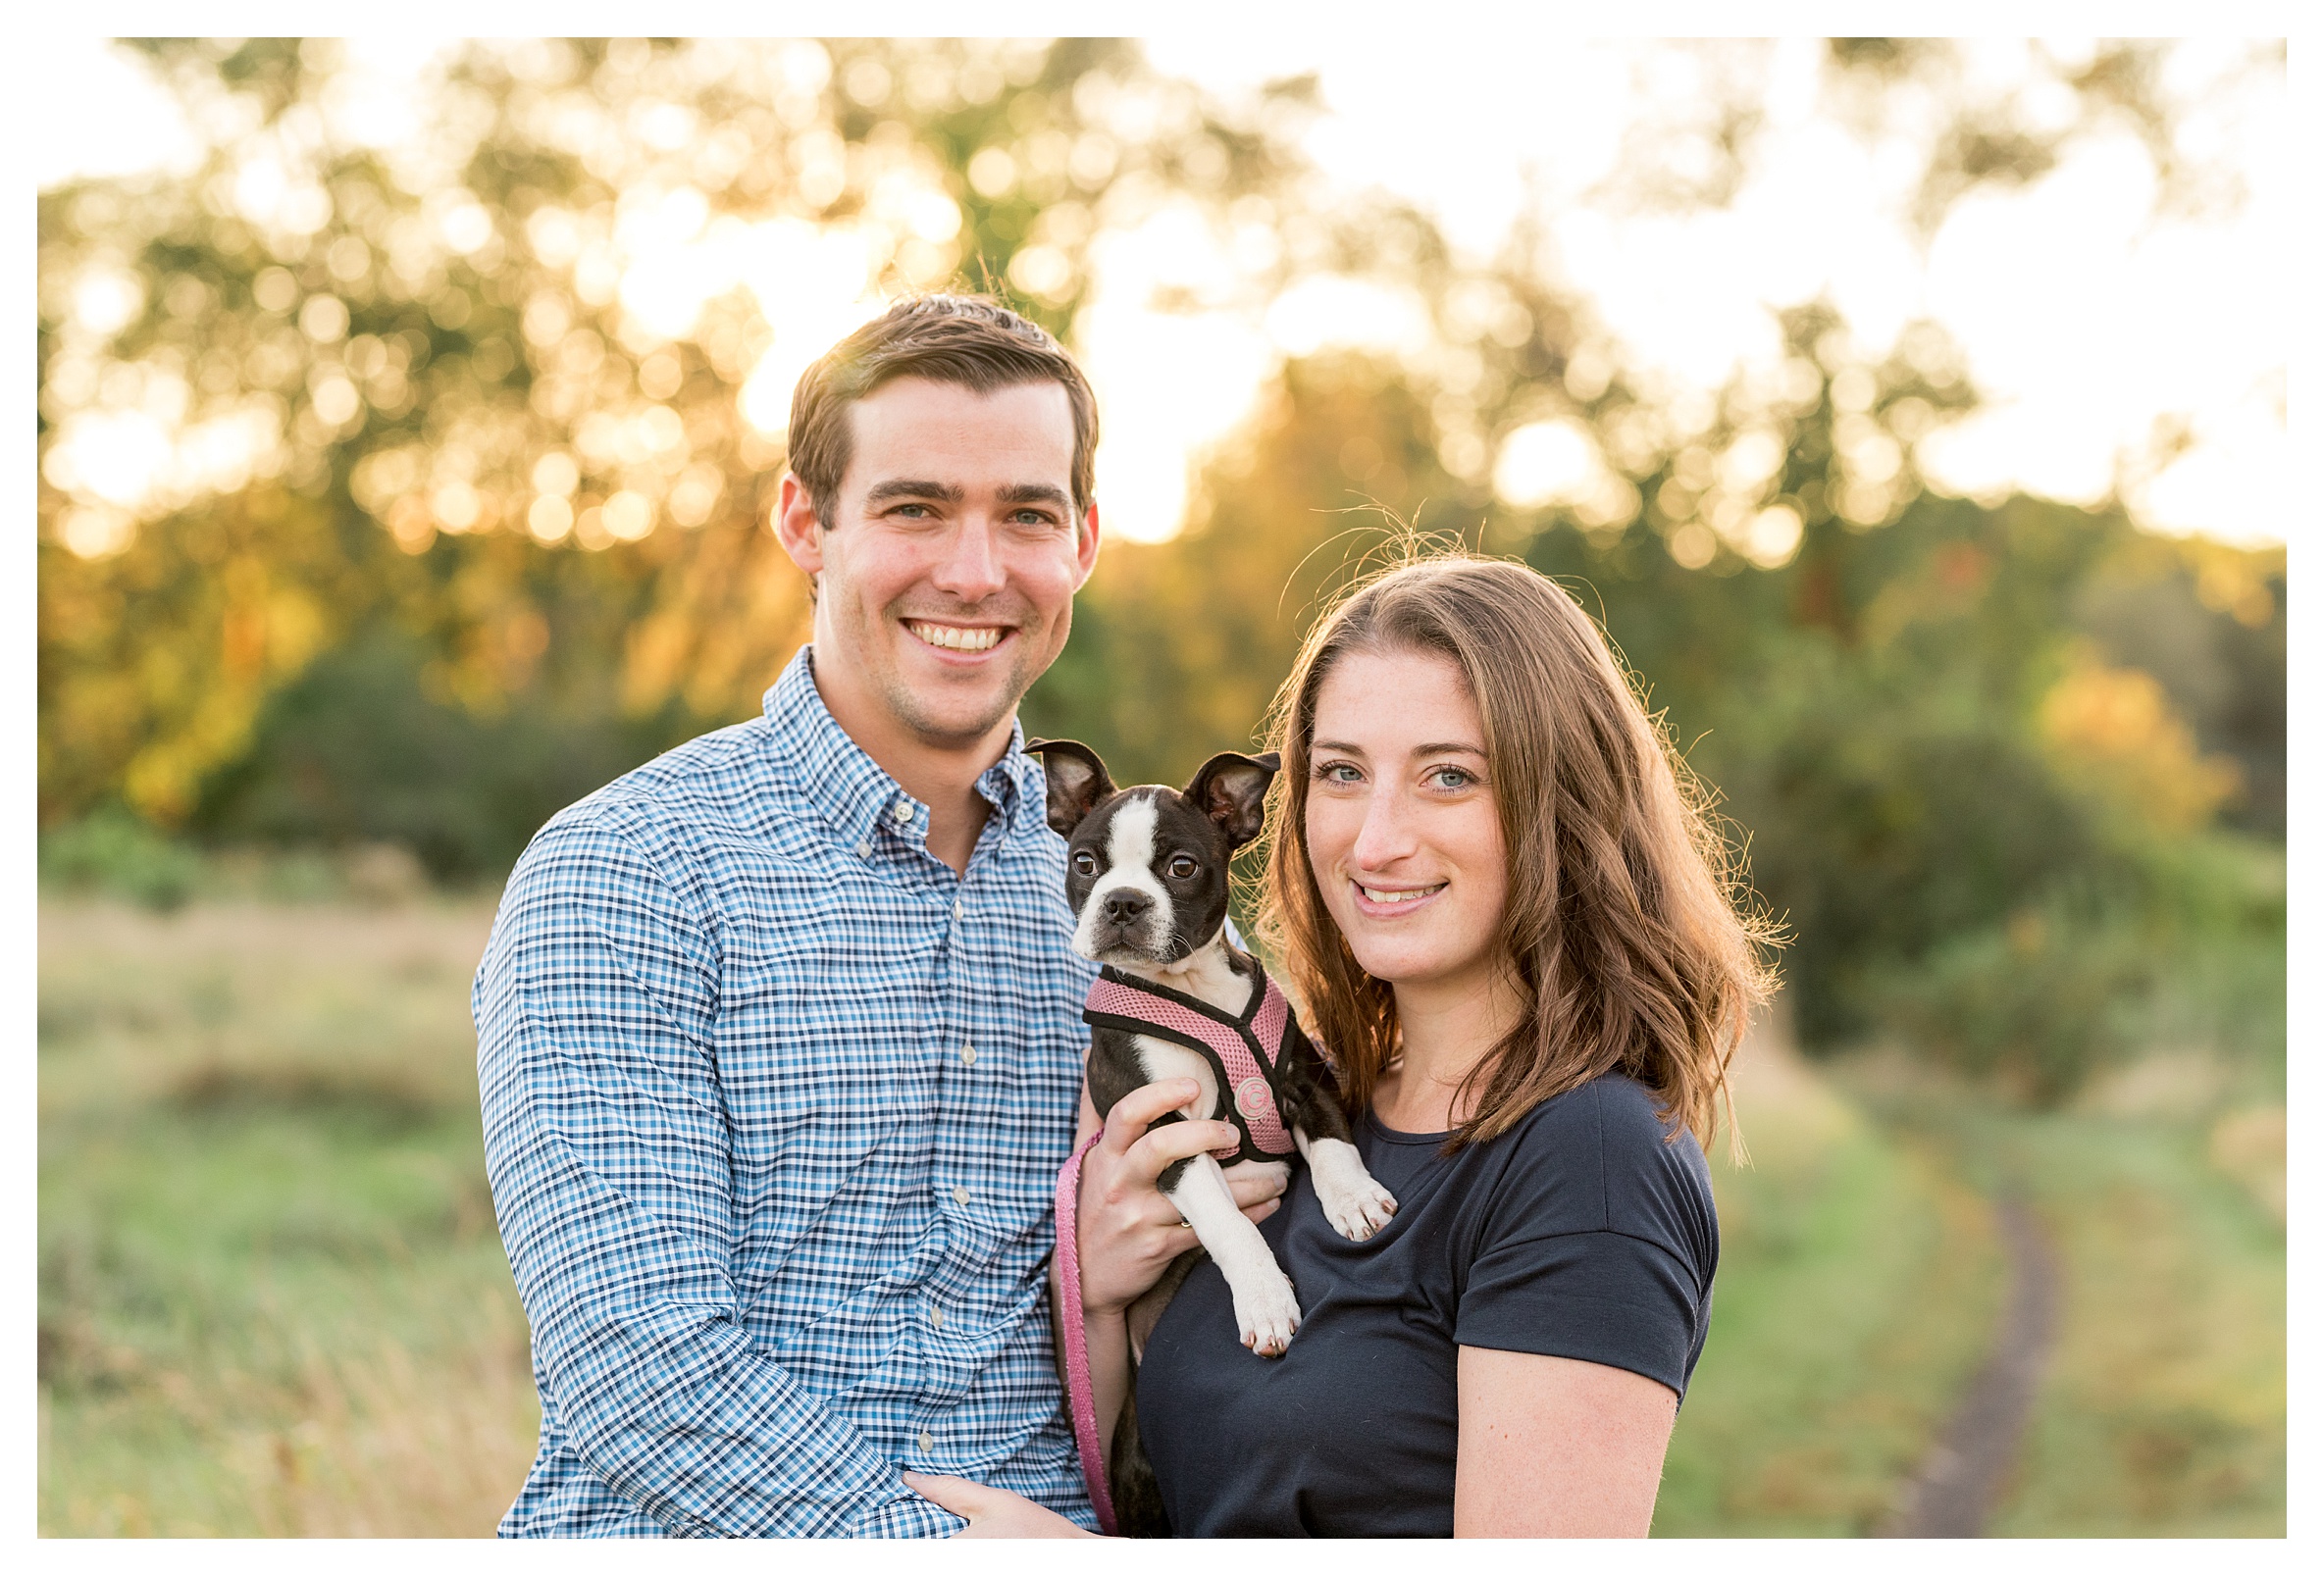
2120, 307
1912, 412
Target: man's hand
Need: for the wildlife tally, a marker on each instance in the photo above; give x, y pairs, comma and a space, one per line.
1128, 1231
993, 1512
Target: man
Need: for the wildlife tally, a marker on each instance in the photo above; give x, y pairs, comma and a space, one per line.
778, 1036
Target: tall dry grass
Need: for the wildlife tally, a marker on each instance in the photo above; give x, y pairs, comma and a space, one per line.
273, 1300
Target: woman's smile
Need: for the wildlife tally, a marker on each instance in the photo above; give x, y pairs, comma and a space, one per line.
1392, 902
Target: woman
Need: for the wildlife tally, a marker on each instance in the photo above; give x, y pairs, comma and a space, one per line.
1499, 902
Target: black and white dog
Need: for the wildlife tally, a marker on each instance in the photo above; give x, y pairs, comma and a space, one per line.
1147, 877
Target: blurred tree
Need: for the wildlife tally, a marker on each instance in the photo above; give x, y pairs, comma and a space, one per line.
408, 483
333, 381
1964, 818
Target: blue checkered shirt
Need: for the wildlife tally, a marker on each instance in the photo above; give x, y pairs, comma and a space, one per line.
773, 1106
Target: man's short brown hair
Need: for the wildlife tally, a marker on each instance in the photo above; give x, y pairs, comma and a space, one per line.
969, 340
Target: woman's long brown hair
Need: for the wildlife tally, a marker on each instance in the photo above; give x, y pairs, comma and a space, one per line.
1628, 929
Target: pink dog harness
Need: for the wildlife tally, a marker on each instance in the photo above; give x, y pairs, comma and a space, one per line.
1247, 1053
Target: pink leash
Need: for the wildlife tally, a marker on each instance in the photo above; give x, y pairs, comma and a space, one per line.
1080, 1397
1248, 1084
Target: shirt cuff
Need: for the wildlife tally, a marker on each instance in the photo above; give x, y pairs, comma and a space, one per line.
908, 1517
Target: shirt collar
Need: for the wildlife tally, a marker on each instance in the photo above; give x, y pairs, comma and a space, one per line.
851, 791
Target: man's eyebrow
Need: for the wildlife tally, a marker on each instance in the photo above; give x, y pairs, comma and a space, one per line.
887, 491
1034, 493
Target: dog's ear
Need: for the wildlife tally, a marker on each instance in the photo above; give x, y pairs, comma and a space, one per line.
1231, 789
1077, 781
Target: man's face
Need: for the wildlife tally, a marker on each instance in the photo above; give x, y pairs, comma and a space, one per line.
950, 558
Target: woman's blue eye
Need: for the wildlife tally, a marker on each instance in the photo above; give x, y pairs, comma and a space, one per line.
1451, 777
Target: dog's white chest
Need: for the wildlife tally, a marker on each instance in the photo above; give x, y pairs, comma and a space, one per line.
1164, 1058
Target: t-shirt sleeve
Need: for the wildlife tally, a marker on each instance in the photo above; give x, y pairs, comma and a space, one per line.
1599, 1242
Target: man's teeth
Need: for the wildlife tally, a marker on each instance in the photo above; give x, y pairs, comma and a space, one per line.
954, 638
1378, 896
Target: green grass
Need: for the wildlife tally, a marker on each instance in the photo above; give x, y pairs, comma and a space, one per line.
1856, 1284
273, 1299
2162, 1413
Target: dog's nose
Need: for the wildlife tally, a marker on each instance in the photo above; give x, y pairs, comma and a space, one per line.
1126, 906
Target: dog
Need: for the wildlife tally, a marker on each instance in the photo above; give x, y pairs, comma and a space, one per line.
1147, 876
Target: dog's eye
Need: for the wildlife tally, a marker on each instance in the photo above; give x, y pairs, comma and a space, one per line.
1182, 866
1085, 863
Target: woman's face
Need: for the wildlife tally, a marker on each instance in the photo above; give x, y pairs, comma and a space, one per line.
1403, 830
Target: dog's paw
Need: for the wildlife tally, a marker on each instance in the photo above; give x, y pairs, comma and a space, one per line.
1357, 1207
1354, 1203
1267, 1312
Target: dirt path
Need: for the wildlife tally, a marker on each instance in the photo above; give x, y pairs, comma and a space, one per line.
1958, 1484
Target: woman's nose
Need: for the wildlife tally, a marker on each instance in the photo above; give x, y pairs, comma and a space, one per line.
1385, 836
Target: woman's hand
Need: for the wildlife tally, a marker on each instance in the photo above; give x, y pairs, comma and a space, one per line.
993, 1512
1128, 1231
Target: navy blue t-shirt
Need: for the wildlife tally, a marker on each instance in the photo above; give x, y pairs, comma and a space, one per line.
1587, 1231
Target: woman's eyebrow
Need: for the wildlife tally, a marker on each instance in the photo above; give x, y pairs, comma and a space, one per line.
1418, 749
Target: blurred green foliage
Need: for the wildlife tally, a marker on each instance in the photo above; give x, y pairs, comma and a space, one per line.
112, 849
2010, 774
1985, 827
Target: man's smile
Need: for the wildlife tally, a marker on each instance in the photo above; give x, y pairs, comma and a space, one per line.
958, 636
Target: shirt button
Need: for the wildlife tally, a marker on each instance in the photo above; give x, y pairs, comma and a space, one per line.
936, 1317
969, 1056
863, 850
959, 1195
904, 811
927, 1439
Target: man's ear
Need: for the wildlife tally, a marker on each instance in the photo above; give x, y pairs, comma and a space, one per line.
1085, 548
797, 526
1077, 781
1231, 789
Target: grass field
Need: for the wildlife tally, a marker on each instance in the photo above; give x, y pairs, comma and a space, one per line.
271, 1297
1857, 1281
273, 1300
2163, 1411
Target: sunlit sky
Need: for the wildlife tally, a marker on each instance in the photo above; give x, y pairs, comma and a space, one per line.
2086, 319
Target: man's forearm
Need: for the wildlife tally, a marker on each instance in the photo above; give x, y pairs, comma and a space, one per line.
742, 1450
663, 1395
